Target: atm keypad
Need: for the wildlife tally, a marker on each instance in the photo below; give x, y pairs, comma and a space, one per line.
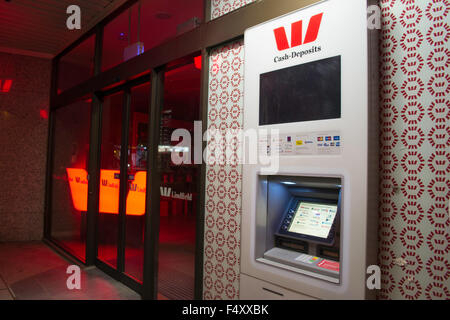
288, 219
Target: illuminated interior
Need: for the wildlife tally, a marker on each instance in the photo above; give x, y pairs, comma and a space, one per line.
109, 191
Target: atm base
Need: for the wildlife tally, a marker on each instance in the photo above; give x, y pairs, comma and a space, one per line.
256, 289
302, 263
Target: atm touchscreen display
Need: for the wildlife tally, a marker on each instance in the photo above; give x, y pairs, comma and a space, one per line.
313, 219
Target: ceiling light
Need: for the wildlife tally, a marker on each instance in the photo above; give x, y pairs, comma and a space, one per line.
123, 36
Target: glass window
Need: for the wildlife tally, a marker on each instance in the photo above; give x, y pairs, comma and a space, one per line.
146, 25
69, 176
116, 38
77, 65
166, 19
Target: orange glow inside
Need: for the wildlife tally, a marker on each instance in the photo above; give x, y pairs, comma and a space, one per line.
78, 187
109, 191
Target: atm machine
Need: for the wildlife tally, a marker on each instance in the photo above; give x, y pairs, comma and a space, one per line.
309, 216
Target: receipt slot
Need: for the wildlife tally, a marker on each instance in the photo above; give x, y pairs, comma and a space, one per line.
309, 225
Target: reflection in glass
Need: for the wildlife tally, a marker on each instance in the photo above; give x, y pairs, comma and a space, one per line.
107, 235
179, 184
77, 65
146, 25
69, 176
137, 179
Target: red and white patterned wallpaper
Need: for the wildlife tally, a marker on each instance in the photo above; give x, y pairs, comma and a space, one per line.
222, 7
414, 223
223, 179
415, 159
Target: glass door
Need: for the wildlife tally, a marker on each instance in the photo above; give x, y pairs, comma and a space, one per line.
179, 185
136, 181
110, 169
123, 176
69, 191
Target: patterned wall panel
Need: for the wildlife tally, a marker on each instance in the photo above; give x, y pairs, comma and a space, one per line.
223, 178
415, 156
221, 7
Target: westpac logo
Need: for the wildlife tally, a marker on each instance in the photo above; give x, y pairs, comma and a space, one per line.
165, 191
297, 33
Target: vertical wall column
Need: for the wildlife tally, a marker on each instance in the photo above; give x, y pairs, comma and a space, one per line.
415, 159
24, 110
223, 183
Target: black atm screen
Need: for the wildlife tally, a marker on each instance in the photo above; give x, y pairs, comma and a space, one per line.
306, 92
310, 220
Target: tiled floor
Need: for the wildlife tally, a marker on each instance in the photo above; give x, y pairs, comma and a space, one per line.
33, 271
5, 293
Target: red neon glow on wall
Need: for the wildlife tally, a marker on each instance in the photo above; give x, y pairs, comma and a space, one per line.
198, 62
43, 113
109, 191
6, 87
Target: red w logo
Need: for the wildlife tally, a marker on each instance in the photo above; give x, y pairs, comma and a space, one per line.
297, 33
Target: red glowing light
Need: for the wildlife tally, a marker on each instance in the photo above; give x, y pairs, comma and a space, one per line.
198, 62
43, 113
6, 85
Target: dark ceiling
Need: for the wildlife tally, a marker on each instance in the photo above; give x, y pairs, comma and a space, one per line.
38, 27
